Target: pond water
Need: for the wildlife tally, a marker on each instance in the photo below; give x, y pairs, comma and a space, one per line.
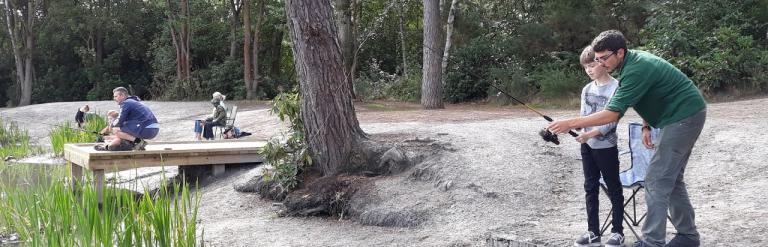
21, 176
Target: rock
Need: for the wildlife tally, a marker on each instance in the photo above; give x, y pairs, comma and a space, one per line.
394, 161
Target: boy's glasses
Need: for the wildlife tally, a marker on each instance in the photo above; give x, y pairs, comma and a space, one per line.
604, 58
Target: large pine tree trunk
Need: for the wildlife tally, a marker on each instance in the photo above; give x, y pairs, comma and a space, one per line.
346, 40
431, 82
332, 130
247, 49
448, 32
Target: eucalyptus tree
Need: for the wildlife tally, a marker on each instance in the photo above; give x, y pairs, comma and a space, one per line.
21, 19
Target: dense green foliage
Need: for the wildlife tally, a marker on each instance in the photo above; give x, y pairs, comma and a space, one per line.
83, 49
38, 205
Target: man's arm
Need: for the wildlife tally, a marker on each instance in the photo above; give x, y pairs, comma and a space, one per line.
599, 118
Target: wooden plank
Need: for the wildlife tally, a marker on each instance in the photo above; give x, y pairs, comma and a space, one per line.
75, 174
98, 180
166, 153
218, 170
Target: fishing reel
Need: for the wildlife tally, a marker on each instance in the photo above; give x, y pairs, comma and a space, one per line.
548, 136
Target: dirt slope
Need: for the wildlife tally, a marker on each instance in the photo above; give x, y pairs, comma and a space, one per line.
500, 185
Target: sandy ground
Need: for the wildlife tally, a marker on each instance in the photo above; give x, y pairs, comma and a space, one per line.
500, 186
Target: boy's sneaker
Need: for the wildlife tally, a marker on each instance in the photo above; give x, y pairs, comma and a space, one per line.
100, 147
616, 240
139, 144
587, 239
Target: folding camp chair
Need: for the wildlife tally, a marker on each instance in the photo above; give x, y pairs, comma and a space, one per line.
231, 116
634, 177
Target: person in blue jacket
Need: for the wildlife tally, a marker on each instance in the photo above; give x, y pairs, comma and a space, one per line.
136, 124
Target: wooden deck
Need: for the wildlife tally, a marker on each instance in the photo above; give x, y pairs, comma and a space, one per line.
216, 153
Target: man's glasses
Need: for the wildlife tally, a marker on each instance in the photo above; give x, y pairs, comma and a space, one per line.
603, 58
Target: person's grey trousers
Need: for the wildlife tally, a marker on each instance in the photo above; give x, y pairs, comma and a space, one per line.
664, 185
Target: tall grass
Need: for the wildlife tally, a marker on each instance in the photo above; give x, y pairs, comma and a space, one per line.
13, 140
67, 132
51, 214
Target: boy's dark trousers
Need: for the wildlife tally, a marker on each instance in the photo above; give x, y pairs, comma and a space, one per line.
595, 162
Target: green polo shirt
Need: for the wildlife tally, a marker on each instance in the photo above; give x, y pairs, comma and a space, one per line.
658, 91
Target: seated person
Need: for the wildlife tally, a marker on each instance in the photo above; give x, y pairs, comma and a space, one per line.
107, 133
218, 118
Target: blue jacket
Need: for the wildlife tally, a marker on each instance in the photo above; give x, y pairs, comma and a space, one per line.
134, 115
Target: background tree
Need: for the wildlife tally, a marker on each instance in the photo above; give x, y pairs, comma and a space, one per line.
431, 85
346, 40
21, 18
332, 130
179, 25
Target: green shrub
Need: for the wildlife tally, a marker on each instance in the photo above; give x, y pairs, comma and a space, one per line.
44, 211
560, 83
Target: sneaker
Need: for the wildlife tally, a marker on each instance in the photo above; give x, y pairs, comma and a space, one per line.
139, 144
682, 241
124, 146
100, 147
640, 244
587, 239
616, 240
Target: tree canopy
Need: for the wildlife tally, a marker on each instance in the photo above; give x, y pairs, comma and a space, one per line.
82, 49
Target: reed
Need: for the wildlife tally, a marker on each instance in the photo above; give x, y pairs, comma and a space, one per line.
14, 141
45, 210
67, 132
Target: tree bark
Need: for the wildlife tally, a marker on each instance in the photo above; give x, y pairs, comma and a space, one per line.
403, 49
332, 130
277, 53
431, 82
235, 7
255, 51
448, 32
346, 39
179, 27
247, 76
20, 22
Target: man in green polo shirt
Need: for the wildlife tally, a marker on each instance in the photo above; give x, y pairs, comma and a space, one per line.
665, 98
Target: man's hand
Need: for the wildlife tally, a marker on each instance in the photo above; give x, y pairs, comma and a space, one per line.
562, 126
647, 138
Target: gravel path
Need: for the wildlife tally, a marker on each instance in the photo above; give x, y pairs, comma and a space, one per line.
499, 186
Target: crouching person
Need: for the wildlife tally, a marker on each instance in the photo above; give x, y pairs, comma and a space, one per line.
135, 125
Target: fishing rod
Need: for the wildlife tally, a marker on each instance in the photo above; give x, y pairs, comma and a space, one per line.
86, 131
544, 133
529, 108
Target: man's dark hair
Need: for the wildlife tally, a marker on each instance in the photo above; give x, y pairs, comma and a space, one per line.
611, 40
122, 90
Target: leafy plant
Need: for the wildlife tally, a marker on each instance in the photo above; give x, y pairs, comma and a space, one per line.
289, 155
68, 133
